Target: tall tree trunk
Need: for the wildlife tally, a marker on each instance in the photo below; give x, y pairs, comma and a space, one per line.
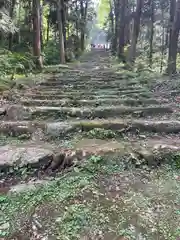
111, 17
19, 22
135, 33
36, 33
83, 10
30, 15
63, 12
122, 30
127, 26
48, 28
163, 44
60, 32
116, 30
172, 14
13, 2
41, 26
76, 21
173, 44
167, 38
151, 33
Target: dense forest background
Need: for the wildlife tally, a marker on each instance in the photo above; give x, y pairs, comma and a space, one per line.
141, 33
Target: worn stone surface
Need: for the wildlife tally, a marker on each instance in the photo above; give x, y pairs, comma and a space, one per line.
31, 185
17, 113
58, 129
22, 156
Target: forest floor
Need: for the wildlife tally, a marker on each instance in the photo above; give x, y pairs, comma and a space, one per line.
91, 152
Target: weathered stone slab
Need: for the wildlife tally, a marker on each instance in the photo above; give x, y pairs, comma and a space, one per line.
88, 102
58, 129
100, 112
11, 156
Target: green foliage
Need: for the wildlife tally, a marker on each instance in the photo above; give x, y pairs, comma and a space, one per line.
51, 53
175, 161
96, 159
103, 12
6, 23
73, 220
101, 133
12, 63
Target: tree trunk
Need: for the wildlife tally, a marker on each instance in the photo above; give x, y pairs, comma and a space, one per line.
36, 33
172, 13
13, 2
83, 10
167, 38
173, 44
127, 31
41, 26
135, 33
122, 30
116, 30
163, 45
19, 22
60, 31
151, 33
63, 12
48, 28
76, 21
111, 17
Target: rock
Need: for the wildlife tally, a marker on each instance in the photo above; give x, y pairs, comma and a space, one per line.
17, 112
24, 136
17, 128
4, 226
3, 112
28, 186
38, 135
36, 157
58, 129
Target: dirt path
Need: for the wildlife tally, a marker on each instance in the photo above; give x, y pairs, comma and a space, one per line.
80, 156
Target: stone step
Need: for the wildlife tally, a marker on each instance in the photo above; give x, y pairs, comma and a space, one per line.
19, 112
15, 156
19, 128
90, 92
102, 84
89, 89
90, 96
142, 125
61, 129
62, 96
90, 80
83, 113
44, 157
109, 101
98, 85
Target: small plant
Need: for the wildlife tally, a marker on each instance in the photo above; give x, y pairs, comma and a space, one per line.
101, 133
176, 161
96, 159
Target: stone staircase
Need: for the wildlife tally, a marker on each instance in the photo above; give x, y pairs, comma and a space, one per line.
59, 121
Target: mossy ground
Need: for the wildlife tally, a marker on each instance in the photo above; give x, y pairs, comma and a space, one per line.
99, 199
